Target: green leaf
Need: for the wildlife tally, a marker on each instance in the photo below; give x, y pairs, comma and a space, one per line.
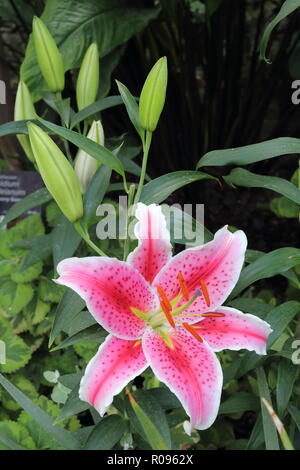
14, 127
280, 317
239, 403
251, 153
295, 414
149, 420
268, 265
257, 435
95, 193
284, 207
67, 309
106, 433
93, 334
287, 373
17, 353
109, 23
14, 297
38, 249
48, 291
62, 436
286, 9
73, 405
39, 197
63, 231
270, 433
131, 107
97, 151
162, 187
32, 272
241, 177
98, 106
15, 436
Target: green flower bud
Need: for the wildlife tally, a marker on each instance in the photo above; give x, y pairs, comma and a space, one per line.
48, 56
153, 95
24, 109
88, 78
57, 173
85, 165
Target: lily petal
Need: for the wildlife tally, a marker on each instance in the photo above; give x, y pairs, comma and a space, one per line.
154, 248
116, 363
110, 287
235, 330
191, 370
217, 263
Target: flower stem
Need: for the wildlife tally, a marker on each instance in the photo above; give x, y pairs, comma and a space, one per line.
146, 148
130, 200
85, 236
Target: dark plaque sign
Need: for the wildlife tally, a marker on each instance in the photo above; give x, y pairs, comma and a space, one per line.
15, 185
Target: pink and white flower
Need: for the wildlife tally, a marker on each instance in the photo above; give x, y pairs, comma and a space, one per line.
165, 312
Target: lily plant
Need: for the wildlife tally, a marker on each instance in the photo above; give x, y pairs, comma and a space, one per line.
165, 312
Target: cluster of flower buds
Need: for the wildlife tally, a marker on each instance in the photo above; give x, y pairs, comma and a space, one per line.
85, 165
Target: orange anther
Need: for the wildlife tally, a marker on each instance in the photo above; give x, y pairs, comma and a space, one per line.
183, 286
168, 314
164, 298
213, 315
205, 292
191, 330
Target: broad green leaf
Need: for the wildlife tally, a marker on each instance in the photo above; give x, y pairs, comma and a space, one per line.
32, 272
162, 187
14, 297
150, 420
98, 106
38, 249
95, 193
270, 433
48, 291
67, 309
287, 373
280, 317
97, 151
62, 436
65, 240
92, 334
39, 197
268, 265
15, 436
295, 414
106, 433
14, 127
286, 9
284, 207
251, 153
131, 107
239, 403
74, 26
80, 322
256, 439
73, 405
17, 353
241, 177
24, 385
166, 399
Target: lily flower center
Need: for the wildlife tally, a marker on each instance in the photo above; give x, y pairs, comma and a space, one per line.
163, 320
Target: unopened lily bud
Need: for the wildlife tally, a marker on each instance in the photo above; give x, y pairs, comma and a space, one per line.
85, 165
24, 109
153, 95
57, 173
88, 78
48, 56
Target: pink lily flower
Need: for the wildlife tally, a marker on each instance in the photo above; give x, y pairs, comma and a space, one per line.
165, 312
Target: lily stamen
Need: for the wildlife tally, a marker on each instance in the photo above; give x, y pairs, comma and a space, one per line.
183, 286
187, 304
212, 315
194, 333
167, 314
164, 297
205, 292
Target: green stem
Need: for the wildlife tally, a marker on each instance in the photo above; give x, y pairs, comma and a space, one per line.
85, 236
146, 147
127, 241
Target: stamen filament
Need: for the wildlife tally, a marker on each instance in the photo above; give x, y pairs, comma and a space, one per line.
205, 292
212, 315
194, 333
186, 305
183, 286
164, 298
139, 313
